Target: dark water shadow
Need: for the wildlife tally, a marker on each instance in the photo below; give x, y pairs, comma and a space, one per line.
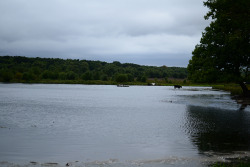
244, 102
218, 130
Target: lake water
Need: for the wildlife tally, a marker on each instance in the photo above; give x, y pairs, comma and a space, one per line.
94, 125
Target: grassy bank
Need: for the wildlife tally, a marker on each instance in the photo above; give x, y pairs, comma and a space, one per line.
234, 162
242, 164
235, 89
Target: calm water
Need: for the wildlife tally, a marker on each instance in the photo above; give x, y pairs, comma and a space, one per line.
116, 126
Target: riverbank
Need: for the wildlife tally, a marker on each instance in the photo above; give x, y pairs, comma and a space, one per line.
234, 162
235, 89
218, 161
148, 82
100, 82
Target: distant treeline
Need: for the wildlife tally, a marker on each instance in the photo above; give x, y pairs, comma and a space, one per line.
24, 69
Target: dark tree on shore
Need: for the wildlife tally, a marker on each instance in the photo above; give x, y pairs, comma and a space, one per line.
223, 52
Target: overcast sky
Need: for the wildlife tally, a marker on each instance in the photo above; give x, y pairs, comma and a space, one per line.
146, 32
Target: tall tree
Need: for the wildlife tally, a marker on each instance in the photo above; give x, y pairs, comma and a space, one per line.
223, 52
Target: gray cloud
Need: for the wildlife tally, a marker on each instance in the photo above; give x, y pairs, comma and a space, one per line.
150, 32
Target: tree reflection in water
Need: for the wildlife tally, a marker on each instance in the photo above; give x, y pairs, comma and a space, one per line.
218, 130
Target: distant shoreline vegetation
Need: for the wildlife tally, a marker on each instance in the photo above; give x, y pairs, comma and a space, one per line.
19, 69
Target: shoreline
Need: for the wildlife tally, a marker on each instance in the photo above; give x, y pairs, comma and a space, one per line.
109, 83
209, 159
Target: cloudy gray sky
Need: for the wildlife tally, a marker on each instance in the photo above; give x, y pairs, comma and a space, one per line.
146, 32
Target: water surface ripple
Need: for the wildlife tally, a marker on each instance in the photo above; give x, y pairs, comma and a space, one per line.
118, 126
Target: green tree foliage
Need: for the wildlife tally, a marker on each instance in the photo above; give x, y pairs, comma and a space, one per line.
96, 75
19, 76
71, 75
62, 76
24, 69
142, 78
223, 52
130, 77
87, 76
104, 77
121, 78
7, 76
27, 76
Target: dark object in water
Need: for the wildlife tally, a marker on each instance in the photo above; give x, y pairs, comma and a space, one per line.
122, 85
50, 163
177, 86
243, 101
